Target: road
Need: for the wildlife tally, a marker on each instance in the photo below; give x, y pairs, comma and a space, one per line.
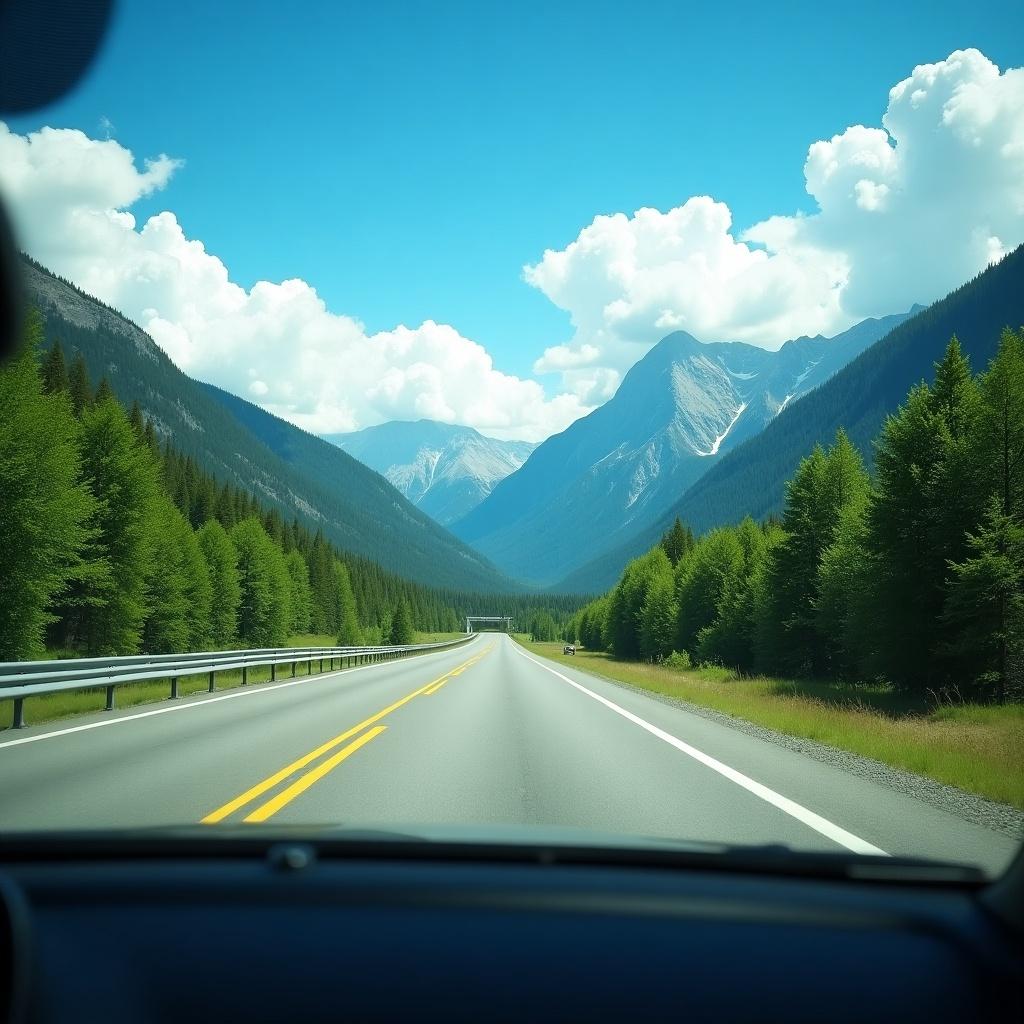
486, 733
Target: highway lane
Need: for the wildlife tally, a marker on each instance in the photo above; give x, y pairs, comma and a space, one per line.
486, 734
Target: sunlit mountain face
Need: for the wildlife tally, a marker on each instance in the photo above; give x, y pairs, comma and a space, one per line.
678, 411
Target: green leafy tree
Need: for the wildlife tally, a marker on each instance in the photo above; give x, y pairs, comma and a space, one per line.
543, 626
625, 607
43, 510
729, 639
225, 592
401, 624
702, 579
658, 614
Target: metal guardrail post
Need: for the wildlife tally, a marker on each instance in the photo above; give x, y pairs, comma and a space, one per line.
18, 717
174, 687
245, 675
293, 670
273, 672
212, 686
110, 699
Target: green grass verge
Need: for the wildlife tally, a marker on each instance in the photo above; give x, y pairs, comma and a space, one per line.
79, 702
978, 748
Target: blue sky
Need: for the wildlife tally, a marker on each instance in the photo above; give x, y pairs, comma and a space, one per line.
407, 159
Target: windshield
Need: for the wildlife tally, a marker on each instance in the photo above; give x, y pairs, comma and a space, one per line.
530, 422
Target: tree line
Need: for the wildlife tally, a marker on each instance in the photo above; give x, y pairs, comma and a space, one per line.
113, 543
913, 575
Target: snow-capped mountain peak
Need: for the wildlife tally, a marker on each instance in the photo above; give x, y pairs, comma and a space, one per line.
444, 469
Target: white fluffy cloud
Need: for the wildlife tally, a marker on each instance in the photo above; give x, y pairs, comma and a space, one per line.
906, 212
276, 344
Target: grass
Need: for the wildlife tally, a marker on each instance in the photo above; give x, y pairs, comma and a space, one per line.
434, 638
978, 748
79, 702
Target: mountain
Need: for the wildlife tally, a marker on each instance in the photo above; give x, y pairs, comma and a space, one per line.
443, 469
297, 473
678, 411
751, 479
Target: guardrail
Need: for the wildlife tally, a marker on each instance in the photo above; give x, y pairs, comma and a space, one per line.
22, 679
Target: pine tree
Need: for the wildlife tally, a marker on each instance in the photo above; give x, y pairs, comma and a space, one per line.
225, 593
301, 597
166, 626
908, 575
985, 605
401, 624
1001, 425
137, 422
264, 612
824, 485
677, 541
43, 509
120, 472
104, 393
955, 489
55, 371
349, 633
79, 387
198, 586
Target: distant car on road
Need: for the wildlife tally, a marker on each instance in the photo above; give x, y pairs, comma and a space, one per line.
569, 649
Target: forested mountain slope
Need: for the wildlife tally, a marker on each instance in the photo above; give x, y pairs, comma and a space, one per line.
676, 413
285, 467
750, 480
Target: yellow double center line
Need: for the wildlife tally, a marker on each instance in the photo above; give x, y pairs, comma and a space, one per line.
300, 785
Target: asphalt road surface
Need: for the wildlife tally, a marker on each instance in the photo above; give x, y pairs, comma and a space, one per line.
485, 733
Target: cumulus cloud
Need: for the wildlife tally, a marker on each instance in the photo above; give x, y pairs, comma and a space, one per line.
905, 212
276, 343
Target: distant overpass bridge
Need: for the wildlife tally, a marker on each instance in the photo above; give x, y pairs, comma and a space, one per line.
506, 619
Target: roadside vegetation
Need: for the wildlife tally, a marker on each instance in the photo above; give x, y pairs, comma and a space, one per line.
113, 541
978, 748
884, 613
911, 580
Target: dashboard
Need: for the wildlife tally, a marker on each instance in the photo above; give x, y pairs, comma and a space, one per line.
292, 932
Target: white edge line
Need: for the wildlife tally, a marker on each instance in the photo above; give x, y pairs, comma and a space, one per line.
201, 703
790, 807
